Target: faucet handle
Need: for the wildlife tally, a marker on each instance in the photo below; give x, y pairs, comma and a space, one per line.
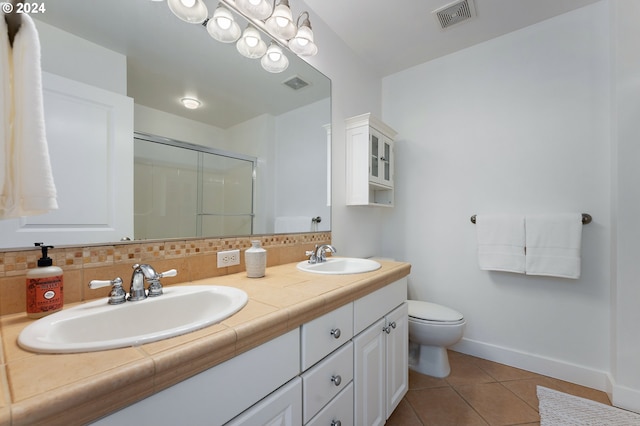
169, 273
117, 294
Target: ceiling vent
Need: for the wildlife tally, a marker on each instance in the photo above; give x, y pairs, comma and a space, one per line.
454, 13
296, 83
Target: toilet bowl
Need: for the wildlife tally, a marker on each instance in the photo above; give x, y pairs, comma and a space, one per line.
432, 328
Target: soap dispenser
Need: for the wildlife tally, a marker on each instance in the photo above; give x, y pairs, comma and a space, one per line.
44, 286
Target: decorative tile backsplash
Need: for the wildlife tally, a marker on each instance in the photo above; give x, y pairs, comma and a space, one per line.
194, 259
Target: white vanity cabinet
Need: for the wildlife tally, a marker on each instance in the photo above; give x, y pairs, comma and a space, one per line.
380, 354
340, 368
370, 161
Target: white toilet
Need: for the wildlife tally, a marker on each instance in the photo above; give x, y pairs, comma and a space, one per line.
432, 328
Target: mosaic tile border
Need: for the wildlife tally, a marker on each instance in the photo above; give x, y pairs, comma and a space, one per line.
17, 263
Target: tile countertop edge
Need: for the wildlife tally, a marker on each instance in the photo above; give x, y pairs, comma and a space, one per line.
110, 390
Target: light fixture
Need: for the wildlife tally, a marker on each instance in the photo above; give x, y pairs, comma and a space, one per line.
222, 26
256, 9
274, 60
302, 44
263, 16
191, 103
192, 11
250, 44
280, 23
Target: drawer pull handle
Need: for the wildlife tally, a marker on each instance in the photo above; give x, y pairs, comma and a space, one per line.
336, 423
336, 333
336, 379
388, 328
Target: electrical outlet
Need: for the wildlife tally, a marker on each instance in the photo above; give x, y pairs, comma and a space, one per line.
228, 258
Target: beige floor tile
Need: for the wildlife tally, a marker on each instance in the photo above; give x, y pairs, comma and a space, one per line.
497, 405
420, 381
526, 389
404, 416
502, 372
442, 407
464, 371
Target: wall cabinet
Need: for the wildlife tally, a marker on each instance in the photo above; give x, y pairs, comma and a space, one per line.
370, 161
349, 366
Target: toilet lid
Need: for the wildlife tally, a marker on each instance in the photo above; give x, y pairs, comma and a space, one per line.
432, 311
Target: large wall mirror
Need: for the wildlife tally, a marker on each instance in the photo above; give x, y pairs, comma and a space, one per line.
278, 121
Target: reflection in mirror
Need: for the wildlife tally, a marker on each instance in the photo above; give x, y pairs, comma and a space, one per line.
187, 190
140, 50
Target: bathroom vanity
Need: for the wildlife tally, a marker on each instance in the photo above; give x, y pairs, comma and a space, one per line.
307, 349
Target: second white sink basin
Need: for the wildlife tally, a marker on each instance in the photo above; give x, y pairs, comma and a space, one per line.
96, 326
340, 266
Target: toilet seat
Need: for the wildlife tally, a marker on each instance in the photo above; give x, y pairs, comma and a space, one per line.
431, 312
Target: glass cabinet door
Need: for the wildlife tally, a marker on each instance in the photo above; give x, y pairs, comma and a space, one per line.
386, 161
374, 166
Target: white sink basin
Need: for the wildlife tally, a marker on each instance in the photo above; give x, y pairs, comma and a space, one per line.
96, 326
340, 266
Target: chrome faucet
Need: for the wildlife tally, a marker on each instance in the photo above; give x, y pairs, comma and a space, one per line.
146, 272
320, 253
137, 290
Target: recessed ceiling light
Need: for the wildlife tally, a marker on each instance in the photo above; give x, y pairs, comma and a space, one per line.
191, 103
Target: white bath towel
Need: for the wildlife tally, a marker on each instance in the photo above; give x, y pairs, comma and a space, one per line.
553, 244
28, 188
288, 224
6, 100
501, 242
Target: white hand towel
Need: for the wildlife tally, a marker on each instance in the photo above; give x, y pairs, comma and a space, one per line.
32, 189
553, 245
5, 114
501, 241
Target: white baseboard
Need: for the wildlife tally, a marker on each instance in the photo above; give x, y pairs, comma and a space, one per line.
626, 398
557, 369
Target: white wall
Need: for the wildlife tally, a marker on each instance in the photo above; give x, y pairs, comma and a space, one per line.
519, 124
626, 205
301, 186
72, 57
354, 90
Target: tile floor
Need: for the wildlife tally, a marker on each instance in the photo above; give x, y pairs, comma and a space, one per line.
479, 392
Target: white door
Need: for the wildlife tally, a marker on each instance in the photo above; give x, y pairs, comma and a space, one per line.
90, 137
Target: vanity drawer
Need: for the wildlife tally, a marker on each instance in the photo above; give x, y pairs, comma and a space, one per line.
340, 409
374, 306
325, 334
324, 381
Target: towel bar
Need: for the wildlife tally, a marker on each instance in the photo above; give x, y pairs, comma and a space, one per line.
586, 218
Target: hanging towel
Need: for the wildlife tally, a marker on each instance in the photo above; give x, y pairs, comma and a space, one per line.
501, 241
553, 244
28, 187
5, 112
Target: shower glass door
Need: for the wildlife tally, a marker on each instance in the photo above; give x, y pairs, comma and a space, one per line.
186, 190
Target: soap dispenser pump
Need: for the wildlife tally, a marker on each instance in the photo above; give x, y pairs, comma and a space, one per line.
44, 286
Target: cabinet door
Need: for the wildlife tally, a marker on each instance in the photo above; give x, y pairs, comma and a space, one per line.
369, 376
386, 161
283, 408
397, 347
375, 162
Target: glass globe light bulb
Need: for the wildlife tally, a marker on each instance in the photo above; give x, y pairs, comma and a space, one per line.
224, 22
188, 3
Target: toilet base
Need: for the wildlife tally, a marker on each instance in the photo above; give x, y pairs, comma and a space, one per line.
430, 360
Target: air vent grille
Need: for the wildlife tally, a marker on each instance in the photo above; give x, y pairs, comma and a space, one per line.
454, 13
296, 83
